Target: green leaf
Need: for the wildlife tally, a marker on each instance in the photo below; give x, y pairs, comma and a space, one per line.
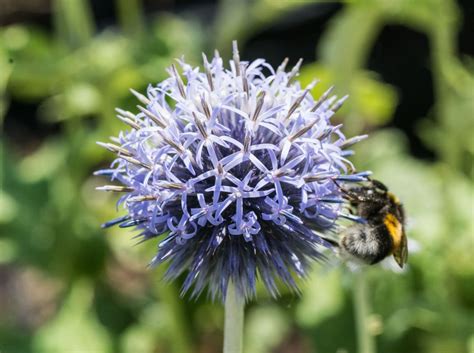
75, 327
372, 101
321, 299
43, 163
8, 207
265, 328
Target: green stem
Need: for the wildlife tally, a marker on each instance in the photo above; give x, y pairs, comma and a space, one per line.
73, 21
130, 15
179, 339
365, 339
234, 321
228, 25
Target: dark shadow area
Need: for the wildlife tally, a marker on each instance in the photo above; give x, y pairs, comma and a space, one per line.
401, 57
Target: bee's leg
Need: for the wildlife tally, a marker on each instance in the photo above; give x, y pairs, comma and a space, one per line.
352, 211
351, 196
385, 209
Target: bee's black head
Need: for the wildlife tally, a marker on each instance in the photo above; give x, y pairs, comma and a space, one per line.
371, 192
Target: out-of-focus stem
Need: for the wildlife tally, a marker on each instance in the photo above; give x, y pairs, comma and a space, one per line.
233, 22
130, 15
73, 22
365, 339
179, 339
234, 321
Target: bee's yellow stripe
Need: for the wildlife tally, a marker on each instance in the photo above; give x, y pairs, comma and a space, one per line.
393, 198
394, 229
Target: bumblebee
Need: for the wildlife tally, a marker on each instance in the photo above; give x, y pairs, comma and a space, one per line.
382, 230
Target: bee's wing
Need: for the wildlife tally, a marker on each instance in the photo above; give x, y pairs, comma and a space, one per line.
401, 254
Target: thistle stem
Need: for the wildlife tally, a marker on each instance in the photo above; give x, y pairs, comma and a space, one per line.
234, 321
365, 339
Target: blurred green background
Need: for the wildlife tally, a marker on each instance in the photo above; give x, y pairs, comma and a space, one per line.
68, 286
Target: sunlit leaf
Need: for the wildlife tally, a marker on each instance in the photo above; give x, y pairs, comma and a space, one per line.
42, 163
319, 304
372, 100
75, 328
265, 328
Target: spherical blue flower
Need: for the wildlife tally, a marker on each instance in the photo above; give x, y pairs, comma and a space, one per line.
236, 169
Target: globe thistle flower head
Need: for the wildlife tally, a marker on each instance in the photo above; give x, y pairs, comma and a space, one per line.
234, 169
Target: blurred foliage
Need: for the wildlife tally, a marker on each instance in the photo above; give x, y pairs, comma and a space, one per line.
68, 285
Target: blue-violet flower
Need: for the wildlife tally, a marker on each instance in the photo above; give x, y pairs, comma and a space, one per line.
235, 169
